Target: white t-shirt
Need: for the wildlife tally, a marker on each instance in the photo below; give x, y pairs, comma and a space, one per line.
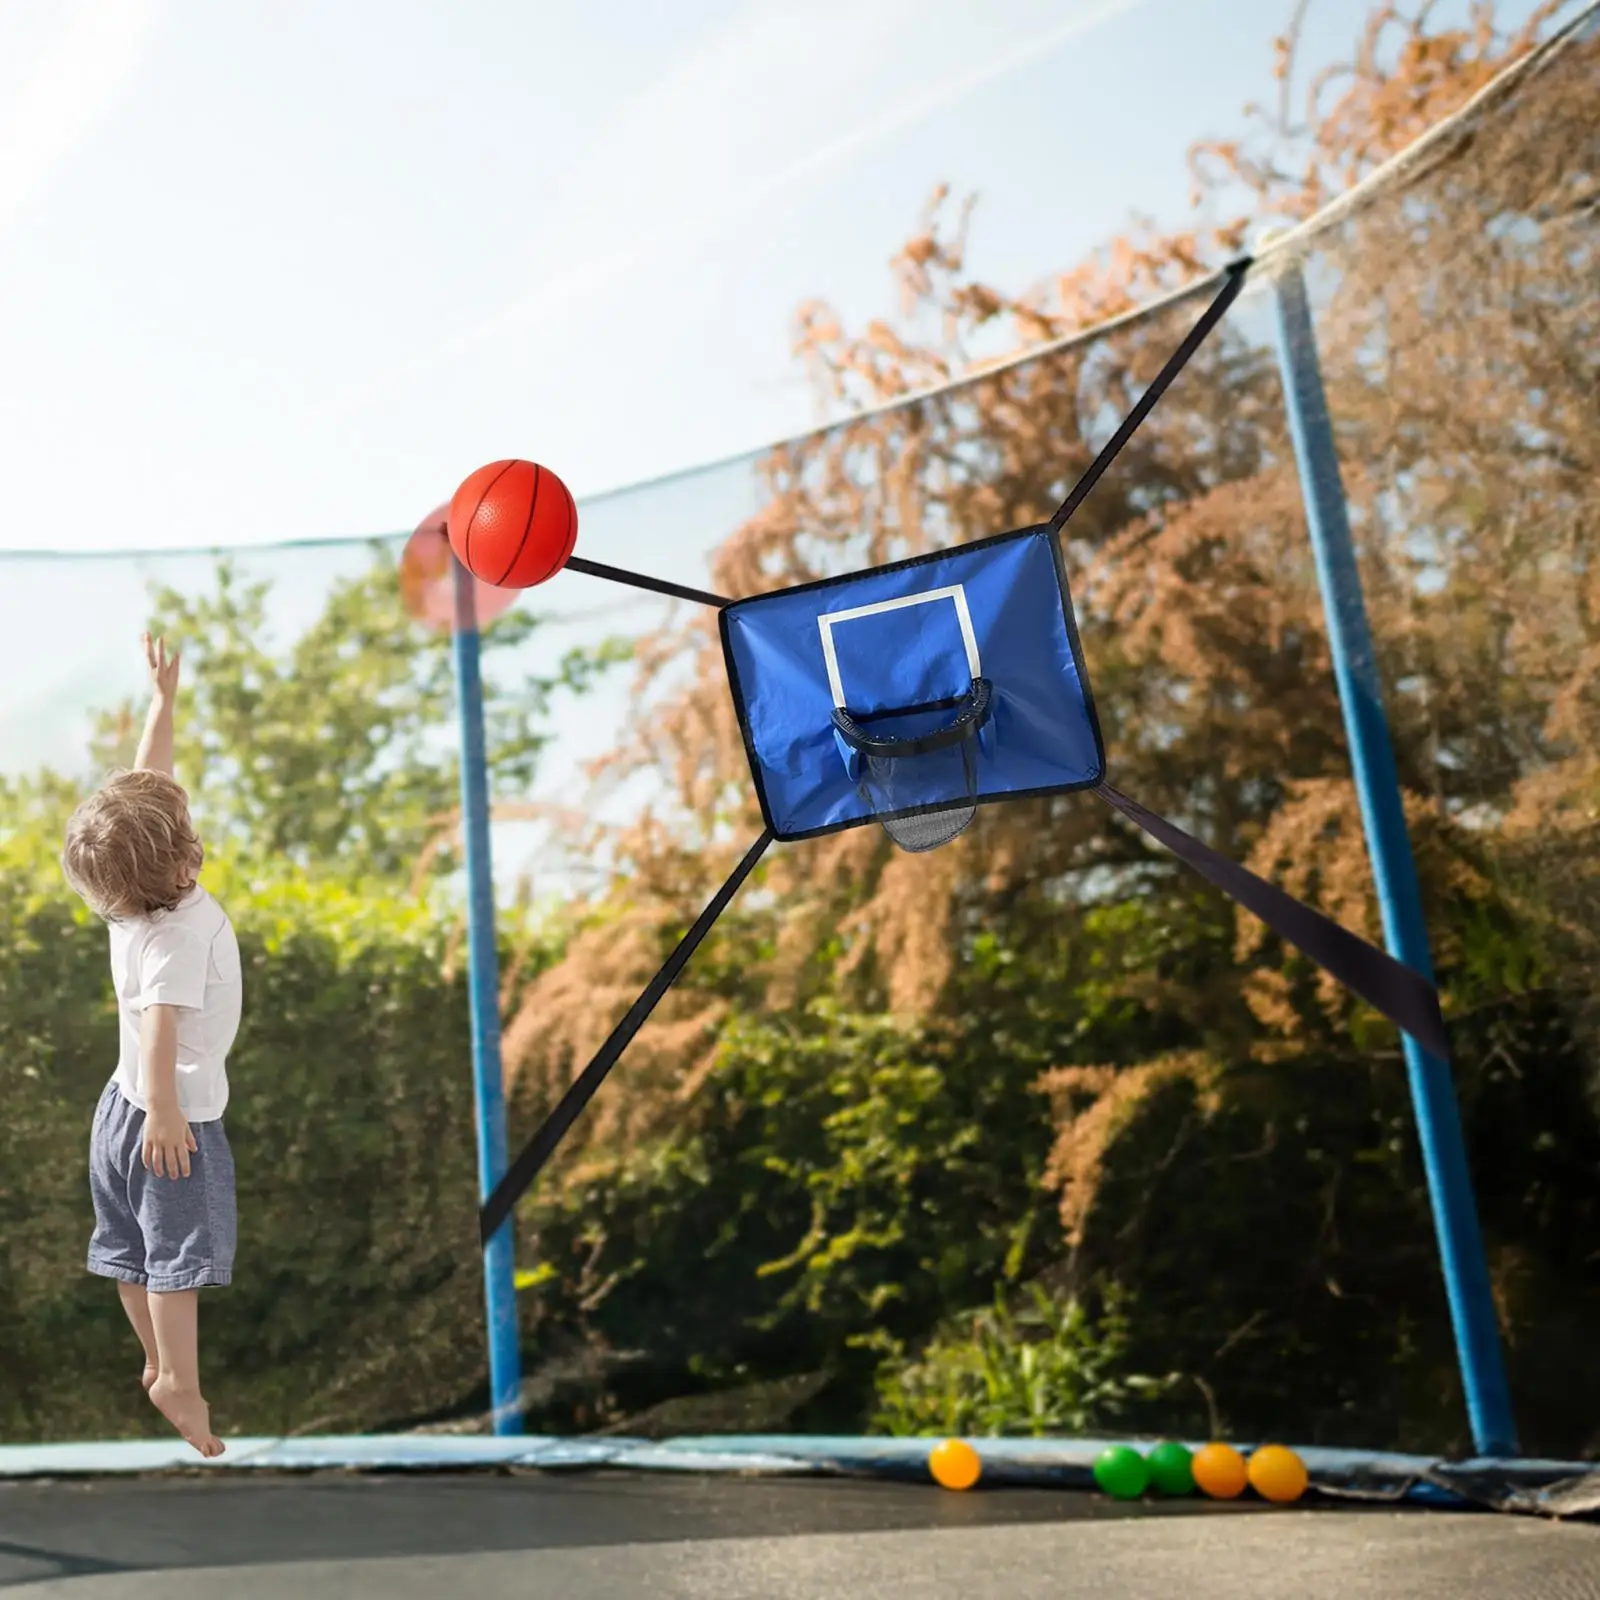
187, 958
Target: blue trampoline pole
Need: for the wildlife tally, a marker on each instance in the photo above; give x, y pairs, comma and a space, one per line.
499, 1274
1455, 1217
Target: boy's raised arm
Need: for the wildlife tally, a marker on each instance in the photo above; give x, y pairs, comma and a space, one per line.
155, 746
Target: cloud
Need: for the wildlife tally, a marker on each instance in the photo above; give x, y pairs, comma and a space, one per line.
745, 120
73, 82
768, 50
915, 108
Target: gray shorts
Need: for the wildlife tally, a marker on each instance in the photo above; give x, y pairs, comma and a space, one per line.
165, 1233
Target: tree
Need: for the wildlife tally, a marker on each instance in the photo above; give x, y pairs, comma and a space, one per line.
338, 750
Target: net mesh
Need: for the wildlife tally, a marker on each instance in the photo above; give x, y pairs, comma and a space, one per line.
930, 829
1031, 1132
918, 769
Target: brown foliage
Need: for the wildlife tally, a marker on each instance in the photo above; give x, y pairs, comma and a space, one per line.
1092, 1106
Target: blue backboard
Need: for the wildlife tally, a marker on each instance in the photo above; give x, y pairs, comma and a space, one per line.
898, 646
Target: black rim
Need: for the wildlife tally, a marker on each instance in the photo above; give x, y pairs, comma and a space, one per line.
974, 709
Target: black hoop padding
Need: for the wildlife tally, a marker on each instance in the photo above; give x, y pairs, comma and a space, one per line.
972, 711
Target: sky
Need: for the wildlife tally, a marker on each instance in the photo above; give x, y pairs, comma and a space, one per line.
280, 270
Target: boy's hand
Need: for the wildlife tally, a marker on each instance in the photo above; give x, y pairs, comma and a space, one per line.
163, 673
168, 1139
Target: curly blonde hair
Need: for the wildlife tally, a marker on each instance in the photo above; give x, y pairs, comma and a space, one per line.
131, 849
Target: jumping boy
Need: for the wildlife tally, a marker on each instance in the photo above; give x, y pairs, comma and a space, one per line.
160, 1171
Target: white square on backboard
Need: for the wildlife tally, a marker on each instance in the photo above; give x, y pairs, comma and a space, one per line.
955, 593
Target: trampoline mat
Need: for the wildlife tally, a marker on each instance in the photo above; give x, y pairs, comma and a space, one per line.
618, 1536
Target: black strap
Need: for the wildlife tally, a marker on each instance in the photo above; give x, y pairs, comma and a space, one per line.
971, 712
542, 1145
1213, 314
638, 580
1400, 992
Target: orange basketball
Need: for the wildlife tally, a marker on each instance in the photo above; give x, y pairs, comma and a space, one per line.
513, 524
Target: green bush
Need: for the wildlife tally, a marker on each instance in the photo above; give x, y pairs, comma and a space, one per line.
838, 1177
358, 1289
839, 1193
1047, 1367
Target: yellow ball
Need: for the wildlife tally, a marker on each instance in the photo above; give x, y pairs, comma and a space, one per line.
954, 1464
1278, 1474
1219, 1471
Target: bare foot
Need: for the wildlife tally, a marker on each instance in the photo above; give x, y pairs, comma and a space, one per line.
149, 1376
188, 1412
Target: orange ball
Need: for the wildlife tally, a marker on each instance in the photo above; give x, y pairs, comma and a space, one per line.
1278, 1474
1219, 1471
954, 1464
513, 524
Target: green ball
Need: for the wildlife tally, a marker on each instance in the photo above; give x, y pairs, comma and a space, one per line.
1121, 1472
1170, 1470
